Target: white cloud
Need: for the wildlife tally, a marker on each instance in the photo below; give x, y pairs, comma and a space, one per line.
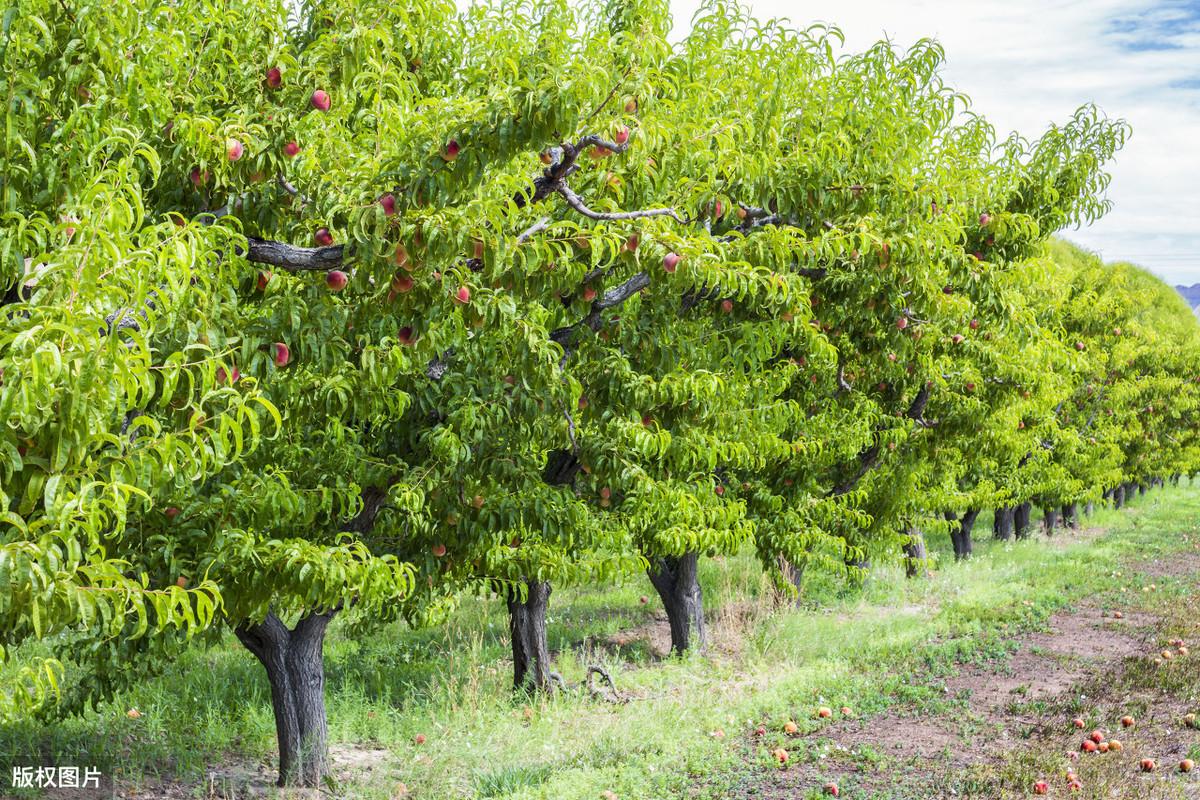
1028, 63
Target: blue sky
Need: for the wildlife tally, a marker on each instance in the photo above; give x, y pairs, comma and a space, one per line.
1026, 64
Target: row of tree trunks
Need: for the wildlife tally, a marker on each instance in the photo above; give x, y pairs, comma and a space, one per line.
293, 658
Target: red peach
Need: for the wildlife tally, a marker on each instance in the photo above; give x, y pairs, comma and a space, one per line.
336, 280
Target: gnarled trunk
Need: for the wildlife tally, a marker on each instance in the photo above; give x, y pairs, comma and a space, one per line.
915, 556
296, 671
1021, 519
527, 628
960, 534
1002, 524
676, 580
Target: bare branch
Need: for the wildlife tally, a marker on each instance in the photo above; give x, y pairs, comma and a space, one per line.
571, 431
611, 93
576, 202
292, 258
610, 299
842, 384
622, 292
291, 189
533, 230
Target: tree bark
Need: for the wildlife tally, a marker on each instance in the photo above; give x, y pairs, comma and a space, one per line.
1119, 496
527, 626
1022, 515
1021, 519
1049, 519
915, 556
1090, 508
676, 580
296, 672
960, 535
1070, 516
1141, 488
794, 575
1002, 525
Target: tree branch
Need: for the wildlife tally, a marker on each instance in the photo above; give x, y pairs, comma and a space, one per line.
610, 299
294, 259
576, 202
868, 459
533, 230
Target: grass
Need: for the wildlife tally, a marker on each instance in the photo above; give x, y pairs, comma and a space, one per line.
859, 647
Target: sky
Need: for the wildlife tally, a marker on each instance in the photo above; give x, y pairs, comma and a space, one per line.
1028, 63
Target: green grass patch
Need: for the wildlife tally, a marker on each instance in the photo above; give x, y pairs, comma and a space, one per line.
769, 664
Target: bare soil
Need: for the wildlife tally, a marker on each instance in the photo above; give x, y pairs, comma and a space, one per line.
1085, 658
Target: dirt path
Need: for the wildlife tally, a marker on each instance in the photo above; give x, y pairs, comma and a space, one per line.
1006, 720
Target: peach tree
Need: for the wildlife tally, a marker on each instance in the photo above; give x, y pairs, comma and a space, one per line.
356, 306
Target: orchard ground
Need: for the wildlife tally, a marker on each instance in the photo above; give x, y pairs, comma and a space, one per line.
963, 683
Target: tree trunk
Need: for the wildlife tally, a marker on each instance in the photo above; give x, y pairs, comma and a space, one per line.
1050, 519
960, 534
1002, 525
915, 556
858, 569
1119, 496
1090, 508
527, 627
1021, 519
794, 575
676, 580
296, 671
1070, 516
